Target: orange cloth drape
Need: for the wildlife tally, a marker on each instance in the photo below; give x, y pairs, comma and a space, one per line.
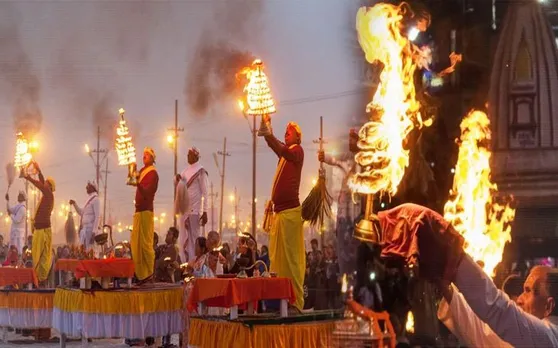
26, 300
307, 335
17, 276
217, 334
68, 265
113, 267
228, 292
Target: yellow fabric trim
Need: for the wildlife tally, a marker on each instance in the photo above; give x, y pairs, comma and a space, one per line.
315, 335
26, 300
217, 334
41, 251
119, 302
214, 334
141, 243
145, 172
287, 255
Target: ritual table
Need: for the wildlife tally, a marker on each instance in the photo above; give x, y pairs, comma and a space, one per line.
149, 311
25, 309
232, 292
104, 269
10, 276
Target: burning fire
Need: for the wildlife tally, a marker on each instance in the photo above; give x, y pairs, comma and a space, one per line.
394, 109
485, 224
23, 154
124, 146
344, 284
410, 325
258, 93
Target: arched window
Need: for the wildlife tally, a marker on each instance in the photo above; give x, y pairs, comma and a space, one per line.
523, 67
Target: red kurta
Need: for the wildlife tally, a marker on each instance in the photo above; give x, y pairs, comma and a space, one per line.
146, 189
285, 193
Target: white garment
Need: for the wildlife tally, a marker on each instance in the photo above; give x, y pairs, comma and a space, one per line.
502, 315
196, 191
460, 319
17, 230
187, 236
90, 220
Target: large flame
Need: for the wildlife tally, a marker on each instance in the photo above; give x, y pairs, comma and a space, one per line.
394, 109
484, 223
23, 154
124, 146
258, 93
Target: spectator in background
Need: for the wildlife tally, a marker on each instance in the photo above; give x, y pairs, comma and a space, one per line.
513, 286
4, 249
264, 257
333, 277
169, 258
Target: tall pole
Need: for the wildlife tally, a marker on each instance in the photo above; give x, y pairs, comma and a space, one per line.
213, 195
235, 211
105, 193
254, 144
175, 152
98, 163
174, 143
225, 154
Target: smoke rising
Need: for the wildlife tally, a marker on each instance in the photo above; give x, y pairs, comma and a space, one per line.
117, 32
221, 53
20, 84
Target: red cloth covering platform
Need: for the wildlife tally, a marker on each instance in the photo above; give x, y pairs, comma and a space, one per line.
105, 268
17, 276
229, 292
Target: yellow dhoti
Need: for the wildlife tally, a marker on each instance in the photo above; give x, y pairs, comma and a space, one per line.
141, 243
41, 251
287, 255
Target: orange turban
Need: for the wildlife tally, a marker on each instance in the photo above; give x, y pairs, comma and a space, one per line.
296, 128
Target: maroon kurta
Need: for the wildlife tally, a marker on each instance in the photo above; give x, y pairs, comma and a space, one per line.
146, 189
46, 205
285, 194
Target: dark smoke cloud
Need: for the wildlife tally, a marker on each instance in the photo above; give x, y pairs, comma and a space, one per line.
221, 53
122, 31
20, 84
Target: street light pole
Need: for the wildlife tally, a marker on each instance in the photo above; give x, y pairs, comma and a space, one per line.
254, 144
173, 141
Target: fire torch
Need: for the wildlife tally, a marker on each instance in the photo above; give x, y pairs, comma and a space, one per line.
126, 150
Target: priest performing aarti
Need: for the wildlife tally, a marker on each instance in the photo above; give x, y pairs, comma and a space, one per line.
17, 213
286, 245
143, 229
41, 249
90, 217
146, 182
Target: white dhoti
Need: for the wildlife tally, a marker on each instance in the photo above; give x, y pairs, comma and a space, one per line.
17, 238
189, 231
86, 238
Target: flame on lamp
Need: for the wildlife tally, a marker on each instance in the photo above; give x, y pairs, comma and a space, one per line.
471, 209
22, 156
124, 146
394, 109
258, 93
410, 325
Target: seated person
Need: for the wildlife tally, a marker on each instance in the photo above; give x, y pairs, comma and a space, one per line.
247, 255
168, 260
12, 258
199, 267
217, 260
